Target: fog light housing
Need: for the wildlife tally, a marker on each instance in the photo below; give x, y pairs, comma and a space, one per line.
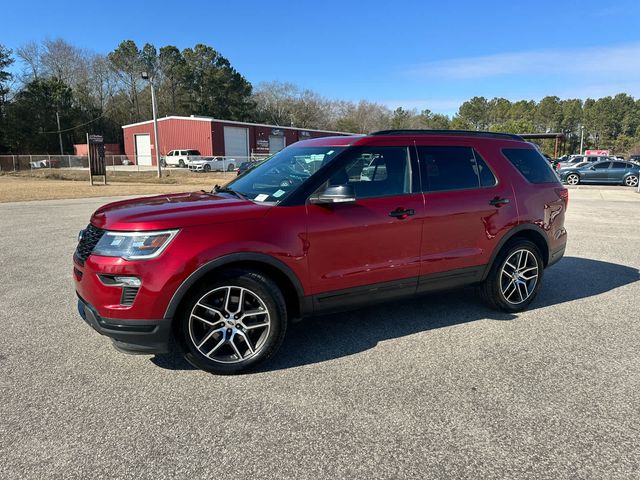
120, 281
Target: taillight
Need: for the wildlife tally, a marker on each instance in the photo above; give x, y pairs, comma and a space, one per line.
563, 193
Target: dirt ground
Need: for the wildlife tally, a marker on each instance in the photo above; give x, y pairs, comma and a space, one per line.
17, 188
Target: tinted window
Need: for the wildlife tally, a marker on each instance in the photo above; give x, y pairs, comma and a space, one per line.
453, 168
602, 166
619, 165
376, 172
531, 165
193, 152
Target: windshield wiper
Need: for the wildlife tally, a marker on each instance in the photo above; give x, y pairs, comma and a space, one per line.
219, 189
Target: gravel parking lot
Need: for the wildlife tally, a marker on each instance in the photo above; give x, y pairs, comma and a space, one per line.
440, 387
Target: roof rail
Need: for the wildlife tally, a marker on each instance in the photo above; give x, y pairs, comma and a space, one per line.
465, 133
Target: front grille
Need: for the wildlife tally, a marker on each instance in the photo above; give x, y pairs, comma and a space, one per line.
90, 238
128, 295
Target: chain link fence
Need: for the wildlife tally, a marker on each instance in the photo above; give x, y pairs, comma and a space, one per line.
125, 163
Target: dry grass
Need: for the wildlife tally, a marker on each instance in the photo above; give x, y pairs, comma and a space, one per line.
50, 186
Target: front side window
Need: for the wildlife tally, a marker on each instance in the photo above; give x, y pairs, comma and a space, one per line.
453, 168
274, 179
376, 172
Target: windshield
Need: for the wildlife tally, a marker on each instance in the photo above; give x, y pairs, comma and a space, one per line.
277, 177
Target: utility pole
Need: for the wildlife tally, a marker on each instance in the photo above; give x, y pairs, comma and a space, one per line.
59, 133
147, 76
581, 138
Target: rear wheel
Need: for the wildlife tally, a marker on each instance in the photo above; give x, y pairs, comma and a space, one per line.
515, 277
234, 323
231, 168
631, 181
181, 163
573, 179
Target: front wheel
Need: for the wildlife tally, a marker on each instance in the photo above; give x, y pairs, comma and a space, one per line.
631, 181
515, 277
234, 323
207, 168
573, 179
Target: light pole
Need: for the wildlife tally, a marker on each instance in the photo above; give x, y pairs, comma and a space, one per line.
146, 76
581, 138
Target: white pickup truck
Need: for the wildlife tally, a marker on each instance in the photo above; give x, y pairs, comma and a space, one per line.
180, 158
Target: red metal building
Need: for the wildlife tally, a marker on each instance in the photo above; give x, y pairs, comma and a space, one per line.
211, 137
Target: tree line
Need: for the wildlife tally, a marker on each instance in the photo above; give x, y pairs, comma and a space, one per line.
95, 93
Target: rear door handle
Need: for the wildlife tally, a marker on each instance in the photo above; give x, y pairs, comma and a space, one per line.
401, 213
498, 202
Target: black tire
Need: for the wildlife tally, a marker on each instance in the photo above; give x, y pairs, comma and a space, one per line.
491, 290
181, 163
207, 168
231, 168
270, 341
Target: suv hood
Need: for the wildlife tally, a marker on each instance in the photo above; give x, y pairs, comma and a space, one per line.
177, 210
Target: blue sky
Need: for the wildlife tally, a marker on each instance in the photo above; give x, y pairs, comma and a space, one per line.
417, 54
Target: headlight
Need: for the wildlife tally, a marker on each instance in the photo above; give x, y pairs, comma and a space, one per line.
134, 245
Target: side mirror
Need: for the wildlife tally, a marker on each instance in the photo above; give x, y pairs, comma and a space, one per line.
334, 194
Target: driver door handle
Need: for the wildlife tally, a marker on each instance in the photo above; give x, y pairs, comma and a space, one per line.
498, 202
401, 213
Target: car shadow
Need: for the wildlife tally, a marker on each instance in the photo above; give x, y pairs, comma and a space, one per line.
333, 336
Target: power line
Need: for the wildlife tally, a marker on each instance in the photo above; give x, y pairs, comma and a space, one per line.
78, 126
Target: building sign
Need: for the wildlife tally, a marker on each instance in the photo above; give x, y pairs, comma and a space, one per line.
97, 164
597, 153
277, 132
305, 134
262, 144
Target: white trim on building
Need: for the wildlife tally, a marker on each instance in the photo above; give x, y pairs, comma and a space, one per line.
211, 119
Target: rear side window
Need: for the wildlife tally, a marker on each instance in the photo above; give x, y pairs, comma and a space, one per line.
619, 165
453, 168
531, 165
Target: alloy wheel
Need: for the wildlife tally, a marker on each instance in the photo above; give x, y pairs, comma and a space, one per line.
631, 181
573, 179
229, 324
519, 276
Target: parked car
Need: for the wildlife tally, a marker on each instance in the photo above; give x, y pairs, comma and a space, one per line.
245, 166
222, 274
180, 158
634, 158
213, 164
620, 173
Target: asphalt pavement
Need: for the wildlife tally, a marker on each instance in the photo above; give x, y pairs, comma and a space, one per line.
440, 387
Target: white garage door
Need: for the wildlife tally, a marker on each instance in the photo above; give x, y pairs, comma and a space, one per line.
276, 143
143, 149
236, 142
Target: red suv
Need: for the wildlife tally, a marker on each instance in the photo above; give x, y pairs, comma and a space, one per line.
325, 225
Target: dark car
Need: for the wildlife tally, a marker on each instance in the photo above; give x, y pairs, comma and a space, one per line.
245, 166
317, 229
619, 173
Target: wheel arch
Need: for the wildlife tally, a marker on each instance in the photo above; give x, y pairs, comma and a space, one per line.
279, 272
527, 231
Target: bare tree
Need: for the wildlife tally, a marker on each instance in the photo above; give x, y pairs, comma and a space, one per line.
31, 55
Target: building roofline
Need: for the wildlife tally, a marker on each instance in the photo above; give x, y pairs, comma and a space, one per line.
211, 119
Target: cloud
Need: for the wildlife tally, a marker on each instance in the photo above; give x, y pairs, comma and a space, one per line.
597, 63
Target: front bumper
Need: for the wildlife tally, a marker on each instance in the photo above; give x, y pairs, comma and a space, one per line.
196, 168
130, 336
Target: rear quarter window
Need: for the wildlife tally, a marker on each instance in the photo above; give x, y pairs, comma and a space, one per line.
531, 165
